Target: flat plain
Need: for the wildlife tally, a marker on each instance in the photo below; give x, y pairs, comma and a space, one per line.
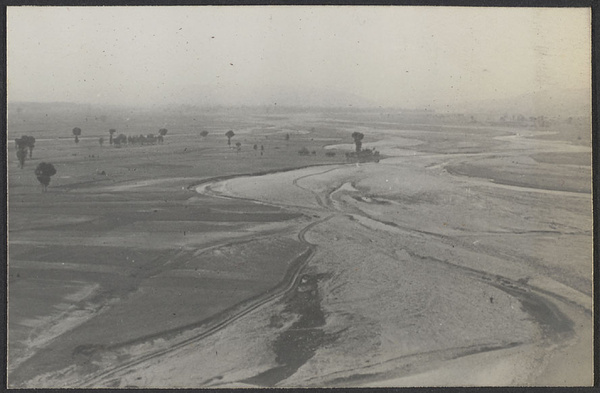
464, 257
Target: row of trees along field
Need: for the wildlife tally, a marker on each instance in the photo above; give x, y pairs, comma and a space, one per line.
123, 139
150, 139
44, 171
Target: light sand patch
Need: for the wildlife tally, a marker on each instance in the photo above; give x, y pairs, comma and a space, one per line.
277, 188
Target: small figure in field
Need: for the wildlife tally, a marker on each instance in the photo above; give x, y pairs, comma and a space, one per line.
76, 132
161, 134
229, 134
21, 155
358, 137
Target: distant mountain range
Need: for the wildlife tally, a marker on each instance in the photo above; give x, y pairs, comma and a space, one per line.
564, 103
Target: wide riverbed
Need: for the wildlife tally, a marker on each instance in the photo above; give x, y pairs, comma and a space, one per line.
419, 277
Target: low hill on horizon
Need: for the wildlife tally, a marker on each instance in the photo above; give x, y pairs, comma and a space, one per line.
558, 103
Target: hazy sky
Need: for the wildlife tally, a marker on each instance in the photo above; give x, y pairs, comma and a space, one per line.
391, 56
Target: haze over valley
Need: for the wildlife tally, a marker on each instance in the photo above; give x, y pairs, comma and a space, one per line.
227, 197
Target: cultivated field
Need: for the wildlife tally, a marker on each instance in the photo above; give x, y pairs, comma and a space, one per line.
464, 257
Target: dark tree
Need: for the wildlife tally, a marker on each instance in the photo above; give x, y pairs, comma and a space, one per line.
101, 141
29, 143
22, 144
229, 134
358, 137
239, 146
163, 131
76, 132
21, 155
111, 132
255, 147
262, 148
204, 133
44, 172
120, 140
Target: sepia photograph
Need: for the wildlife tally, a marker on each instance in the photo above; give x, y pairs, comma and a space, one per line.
299, 196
